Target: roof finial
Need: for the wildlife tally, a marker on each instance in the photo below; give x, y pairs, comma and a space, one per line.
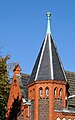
48, 23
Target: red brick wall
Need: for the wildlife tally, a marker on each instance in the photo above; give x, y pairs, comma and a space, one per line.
33, 94
14, 91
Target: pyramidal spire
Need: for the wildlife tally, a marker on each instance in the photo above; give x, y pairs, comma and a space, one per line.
48, 65
48, 23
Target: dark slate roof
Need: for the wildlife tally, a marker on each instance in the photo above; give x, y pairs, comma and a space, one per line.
58, 70
48, 65
23, 81
71, 81
45, 68
32, 77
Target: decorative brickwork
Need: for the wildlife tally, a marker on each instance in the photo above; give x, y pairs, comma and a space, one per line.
32, 110
43, 109
57, 104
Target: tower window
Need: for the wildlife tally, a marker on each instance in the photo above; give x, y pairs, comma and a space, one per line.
58, 118
64, 119
41, 92
55, 92
60, 92
47, 92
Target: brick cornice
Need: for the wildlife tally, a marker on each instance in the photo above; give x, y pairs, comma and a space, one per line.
47, 81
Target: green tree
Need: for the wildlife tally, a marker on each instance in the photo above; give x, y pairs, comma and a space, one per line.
4, 86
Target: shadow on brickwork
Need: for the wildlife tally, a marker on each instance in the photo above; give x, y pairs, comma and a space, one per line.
16, 109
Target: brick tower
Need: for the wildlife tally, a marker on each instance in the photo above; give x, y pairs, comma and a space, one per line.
46, 94
47, 83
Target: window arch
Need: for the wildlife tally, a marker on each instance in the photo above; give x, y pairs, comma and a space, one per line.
30, 90
58, 118
13, 96
55, 92
64, 119
47, 92
41, 92
15, 82
60, 92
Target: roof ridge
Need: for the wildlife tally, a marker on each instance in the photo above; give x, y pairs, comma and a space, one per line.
69, 72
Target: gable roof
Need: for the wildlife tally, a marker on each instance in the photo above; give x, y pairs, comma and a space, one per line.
48, 65
23, 81
71, 81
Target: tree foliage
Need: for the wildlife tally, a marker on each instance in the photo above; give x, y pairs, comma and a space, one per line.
4, 86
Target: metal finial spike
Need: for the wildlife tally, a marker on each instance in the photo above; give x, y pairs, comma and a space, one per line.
48, 22
48, 15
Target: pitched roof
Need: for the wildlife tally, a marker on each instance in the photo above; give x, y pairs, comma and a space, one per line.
23, 81
71, 81
25, 78
48, 60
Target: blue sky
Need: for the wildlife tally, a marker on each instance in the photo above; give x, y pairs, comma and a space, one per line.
23, 28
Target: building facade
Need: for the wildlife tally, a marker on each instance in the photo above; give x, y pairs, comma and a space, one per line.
48, 93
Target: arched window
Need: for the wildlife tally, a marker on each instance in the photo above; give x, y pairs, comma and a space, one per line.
60, 93
30, 90
55, 92
41, 92
47, 91
64, 119
58, 118
15, 82
69, 119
